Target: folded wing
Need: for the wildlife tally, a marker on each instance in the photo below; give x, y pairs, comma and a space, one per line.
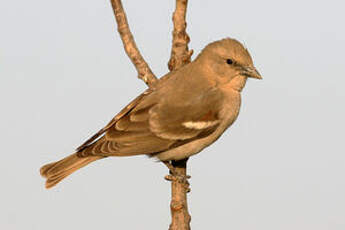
154, 124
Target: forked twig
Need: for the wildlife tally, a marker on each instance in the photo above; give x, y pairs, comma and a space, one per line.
180, 55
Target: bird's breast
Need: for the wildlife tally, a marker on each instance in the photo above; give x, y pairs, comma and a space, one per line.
230, 108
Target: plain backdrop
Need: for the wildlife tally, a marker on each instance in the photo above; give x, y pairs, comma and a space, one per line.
64, 75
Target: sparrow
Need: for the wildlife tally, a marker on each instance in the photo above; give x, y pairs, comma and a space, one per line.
185, 111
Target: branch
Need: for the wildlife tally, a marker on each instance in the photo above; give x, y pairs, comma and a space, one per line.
180, 218
144, 71
180, 56
179, 51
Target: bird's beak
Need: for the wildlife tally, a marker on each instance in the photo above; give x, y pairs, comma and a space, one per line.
249, 71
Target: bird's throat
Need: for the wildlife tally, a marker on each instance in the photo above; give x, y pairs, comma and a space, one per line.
238, 83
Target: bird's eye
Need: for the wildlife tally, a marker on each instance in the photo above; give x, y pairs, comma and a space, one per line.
229, 61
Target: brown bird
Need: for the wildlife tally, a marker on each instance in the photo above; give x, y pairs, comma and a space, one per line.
186, 111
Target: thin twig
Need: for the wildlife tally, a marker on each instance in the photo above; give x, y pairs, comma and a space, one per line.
180, 55
144, 71
180, 218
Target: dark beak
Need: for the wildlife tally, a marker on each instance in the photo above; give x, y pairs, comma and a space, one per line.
249, 71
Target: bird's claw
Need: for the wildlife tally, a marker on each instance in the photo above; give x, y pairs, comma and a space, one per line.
175, 176
182, 179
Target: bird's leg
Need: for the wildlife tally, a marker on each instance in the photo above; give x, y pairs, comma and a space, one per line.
171, 168
175, 175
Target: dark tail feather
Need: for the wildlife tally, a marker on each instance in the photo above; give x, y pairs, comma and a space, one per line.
55, 172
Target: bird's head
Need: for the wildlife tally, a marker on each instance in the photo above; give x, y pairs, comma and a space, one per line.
228, 60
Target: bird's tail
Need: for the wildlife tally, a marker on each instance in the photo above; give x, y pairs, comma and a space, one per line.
56, 171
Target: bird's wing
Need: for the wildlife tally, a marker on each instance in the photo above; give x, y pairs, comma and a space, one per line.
122, 113
155, 124
184, 118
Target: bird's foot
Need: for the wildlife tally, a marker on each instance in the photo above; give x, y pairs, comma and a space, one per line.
176, 176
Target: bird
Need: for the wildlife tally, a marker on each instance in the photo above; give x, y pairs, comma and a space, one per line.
185, 111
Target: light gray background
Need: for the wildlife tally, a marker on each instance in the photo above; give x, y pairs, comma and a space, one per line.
64, 75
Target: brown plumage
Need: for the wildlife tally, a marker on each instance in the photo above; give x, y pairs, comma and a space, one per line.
184, 112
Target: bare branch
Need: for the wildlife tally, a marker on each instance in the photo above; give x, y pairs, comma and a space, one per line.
180, 56
144, 71
179, 51
180, 218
